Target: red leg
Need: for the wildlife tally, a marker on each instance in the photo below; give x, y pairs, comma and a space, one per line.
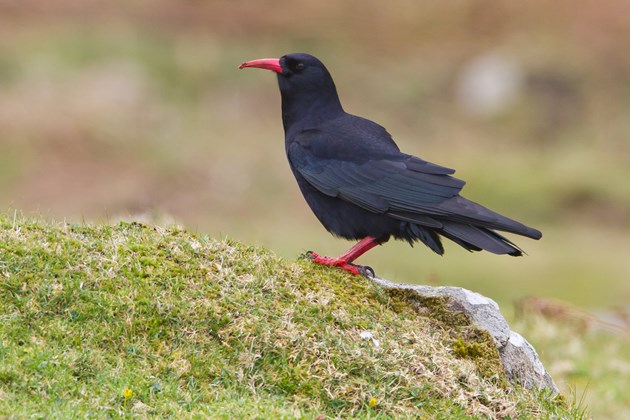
345, 260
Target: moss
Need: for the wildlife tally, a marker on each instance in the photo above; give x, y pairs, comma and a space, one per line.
434, 307
478, 346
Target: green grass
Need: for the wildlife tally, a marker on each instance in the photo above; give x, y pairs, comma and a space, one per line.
132, 319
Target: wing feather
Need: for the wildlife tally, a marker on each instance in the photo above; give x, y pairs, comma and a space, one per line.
380, 185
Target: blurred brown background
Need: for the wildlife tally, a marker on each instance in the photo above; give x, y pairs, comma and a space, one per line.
135, 109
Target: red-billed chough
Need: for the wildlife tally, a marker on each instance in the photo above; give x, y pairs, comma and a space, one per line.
361, 186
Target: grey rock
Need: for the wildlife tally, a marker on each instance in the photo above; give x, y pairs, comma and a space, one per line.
523, 365
520, 360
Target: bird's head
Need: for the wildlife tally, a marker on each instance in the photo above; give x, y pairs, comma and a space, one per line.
298, 74
298, 66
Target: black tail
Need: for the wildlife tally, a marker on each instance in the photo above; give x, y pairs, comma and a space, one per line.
458, 209
475, 238
468, 224
472, 238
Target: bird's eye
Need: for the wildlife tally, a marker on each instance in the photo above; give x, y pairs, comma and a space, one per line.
299, 66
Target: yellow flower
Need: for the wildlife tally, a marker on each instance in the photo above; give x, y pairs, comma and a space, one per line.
127, 393
372, 402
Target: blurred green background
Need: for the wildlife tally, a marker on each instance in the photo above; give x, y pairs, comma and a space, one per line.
135, 109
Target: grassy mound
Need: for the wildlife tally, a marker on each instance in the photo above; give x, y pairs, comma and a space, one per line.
140, 320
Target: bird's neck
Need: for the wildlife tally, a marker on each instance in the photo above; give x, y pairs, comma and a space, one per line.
308, 110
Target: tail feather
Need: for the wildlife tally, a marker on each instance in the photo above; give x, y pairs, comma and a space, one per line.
476, 238
459, 209
427, 236
466, 223
472, 238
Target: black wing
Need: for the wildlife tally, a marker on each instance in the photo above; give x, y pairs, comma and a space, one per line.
389, 182
381, 181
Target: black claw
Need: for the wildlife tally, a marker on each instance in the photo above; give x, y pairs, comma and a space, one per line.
308, 255
367, 271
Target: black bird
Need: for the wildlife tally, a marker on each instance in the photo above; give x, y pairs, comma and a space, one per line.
361, 186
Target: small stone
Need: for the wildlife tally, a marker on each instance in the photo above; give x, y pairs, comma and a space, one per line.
366, 335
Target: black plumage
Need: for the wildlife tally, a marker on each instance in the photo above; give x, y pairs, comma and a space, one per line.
361, 186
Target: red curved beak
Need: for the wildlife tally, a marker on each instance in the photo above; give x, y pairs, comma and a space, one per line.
264, 63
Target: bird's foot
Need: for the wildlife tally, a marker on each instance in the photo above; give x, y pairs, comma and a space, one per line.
341, 263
